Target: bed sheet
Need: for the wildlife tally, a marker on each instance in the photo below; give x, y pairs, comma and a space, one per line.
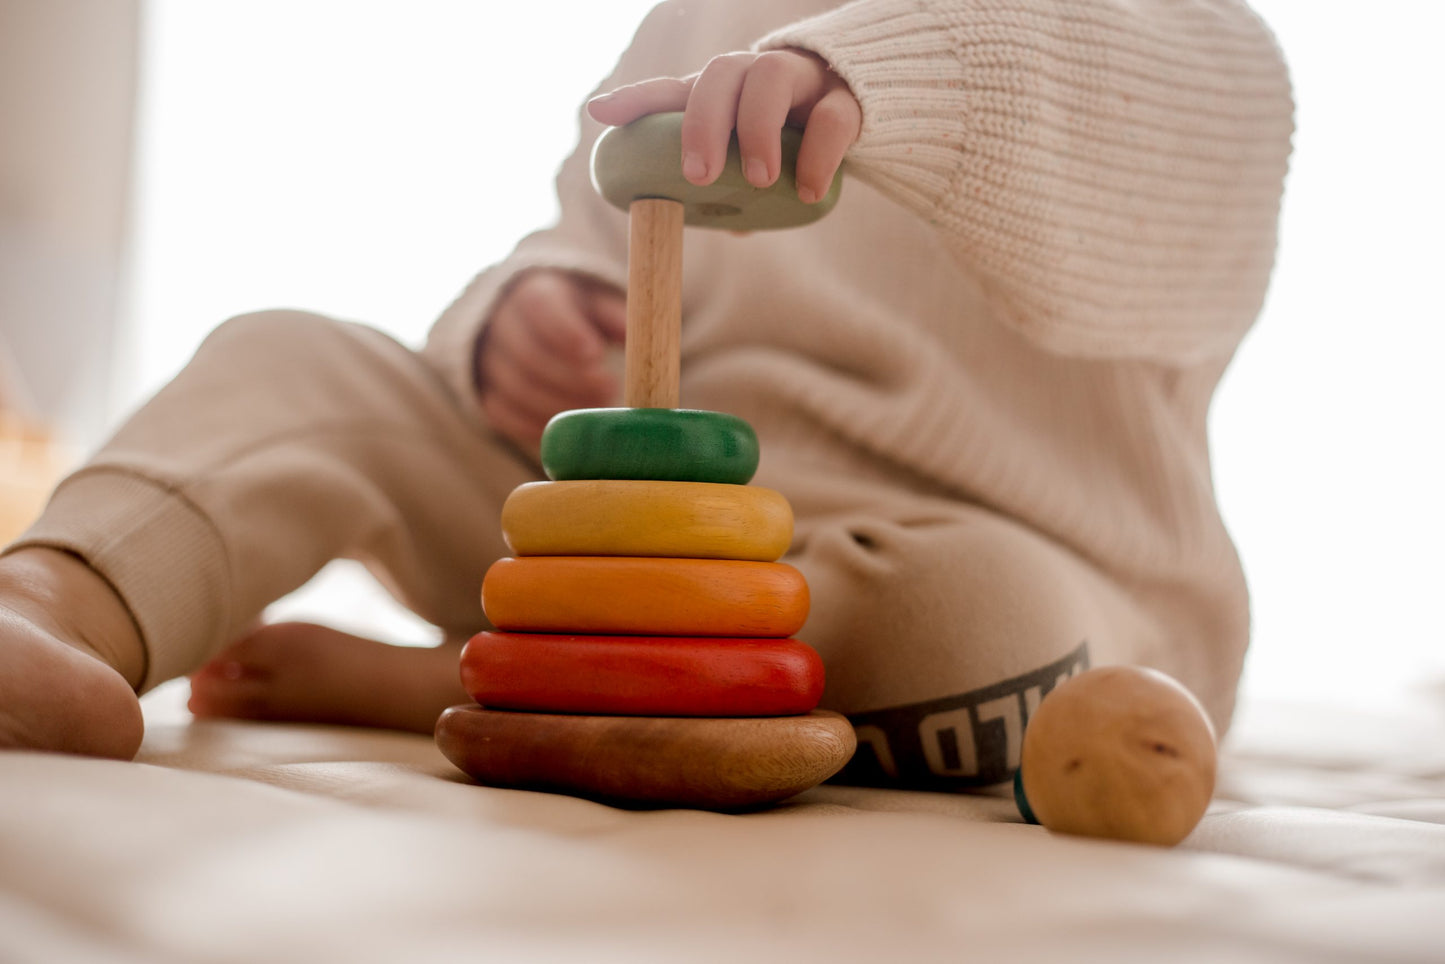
237, 842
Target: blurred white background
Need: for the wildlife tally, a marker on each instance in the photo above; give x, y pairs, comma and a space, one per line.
1328, 429
364, 159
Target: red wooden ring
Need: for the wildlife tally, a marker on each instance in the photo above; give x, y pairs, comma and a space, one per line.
642, 675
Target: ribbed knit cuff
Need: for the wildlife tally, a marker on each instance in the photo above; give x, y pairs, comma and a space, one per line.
156, 549
902, 63
452, 343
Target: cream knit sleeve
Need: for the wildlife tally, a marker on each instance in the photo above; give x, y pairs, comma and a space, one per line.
1112, 169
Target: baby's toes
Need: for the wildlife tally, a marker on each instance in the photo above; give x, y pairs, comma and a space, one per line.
252, 678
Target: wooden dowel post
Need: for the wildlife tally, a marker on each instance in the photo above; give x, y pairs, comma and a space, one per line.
654, 303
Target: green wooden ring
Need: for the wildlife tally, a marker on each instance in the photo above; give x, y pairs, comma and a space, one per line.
1021, 800
644, 160
664, 444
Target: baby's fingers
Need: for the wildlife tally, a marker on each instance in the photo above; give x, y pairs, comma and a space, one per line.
712, 112
625, 104
833, 126
607, 309
550, 308
515, 364
766, 98
756, 94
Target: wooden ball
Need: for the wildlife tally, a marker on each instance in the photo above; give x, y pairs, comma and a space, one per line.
712, 764
1120, 752
642, 675
644, 160
666, 444
602, 595
617, 517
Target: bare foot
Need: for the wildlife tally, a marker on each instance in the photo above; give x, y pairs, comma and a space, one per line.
70, 659
306, 673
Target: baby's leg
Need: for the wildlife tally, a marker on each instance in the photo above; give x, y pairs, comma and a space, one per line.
288, 441
941, 632
70, 657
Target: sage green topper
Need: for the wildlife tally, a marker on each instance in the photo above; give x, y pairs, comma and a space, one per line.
644, 160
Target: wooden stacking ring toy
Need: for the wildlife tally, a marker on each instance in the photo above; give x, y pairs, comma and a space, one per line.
644, 160
610, 517
642, 675
1119, 752
715, 764
643, 653
667, 444
605, 595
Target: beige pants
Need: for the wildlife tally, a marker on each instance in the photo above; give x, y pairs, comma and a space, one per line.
291, 440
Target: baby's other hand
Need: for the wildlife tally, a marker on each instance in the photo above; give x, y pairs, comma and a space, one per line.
756, 95
545, 351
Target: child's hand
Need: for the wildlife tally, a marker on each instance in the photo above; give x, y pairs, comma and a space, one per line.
544, 351
756, 94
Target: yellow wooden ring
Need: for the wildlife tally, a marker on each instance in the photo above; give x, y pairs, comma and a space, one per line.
618, 517
602, 595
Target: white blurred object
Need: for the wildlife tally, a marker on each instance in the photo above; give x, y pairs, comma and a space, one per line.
67, 81
344, 596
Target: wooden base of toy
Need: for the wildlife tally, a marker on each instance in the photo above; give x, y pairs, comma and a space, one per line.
710, 764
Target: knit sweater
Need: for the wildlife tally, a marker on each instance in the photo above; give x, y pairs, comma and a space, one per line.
1060, 221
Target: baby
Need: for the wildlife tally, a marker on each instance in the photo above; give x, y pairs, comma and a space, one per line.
982, 382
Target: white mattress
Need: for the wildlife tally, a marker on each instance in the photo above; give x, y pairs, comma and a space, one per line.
256, 842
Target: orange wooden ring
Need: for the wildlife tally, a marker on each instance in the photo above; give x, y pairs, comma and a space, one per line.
642, 675
623, 517
644, 596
